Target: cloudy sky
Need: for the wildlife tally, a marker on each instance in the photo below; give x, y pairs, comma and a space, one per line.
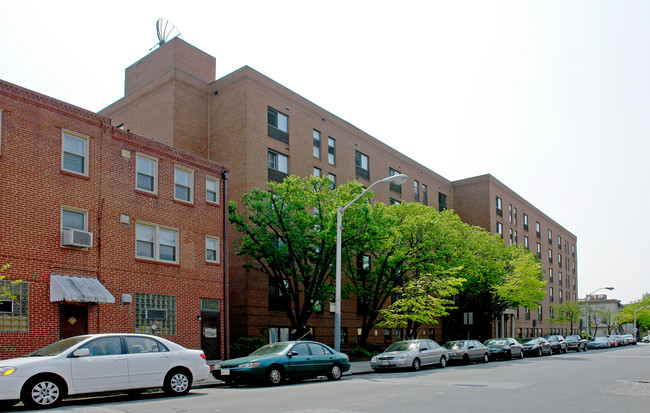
550, 97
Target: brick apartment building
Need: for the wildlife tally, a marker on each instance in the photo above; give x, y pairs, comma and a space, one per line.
109, 231
264, 131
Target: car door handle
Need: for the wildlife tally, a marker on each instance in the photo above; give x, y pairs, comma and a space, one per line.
121, 358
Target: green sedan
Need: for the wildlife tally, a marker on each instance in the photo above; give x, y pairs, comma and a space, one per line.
277, 362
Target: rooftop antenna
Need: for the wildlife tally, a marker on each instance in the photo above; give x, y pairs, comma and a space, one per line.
165, 30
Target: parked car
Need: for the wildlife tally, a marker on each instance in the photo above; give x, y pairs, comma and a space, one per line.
615, 340
504, 348
600, 342
537, 346
410, 354
646, 339
629, 339
100, 363
276, 362
558, 343
467, 350
577, 343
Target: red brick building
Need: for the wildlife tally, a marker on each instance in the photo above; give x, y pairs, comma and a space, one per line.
265, 131
109, 231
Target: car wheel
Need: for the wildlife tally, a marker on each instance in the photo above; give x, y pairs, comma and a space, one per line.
443, 362
43, 392
177, 383
521, 354
539, 352
566, 350
274, 376
335, 372
416, 364
465, 359
486, 358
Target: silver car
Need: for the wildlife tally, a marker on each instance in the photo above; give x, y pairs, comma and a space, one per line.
467, 350
410, 354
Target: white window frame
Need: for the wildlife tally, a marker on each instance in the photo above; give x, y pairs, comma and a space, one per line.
332, 179
217, 183
139, 156
276, 161
500, 228
317, 172
76, 210
156, 242
279, 118
217, 250
363, 157
191, 173
85, 155
331, 157
316, 135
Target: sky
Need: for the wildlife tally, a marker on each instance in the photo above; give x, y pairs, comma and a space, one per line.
550, 97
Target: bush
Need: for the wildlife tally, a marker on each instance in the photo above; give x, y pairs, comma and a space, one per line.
243, 346
360, 353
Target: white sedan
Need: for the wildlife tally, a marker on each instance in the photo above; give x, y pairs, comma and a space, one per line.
99, 363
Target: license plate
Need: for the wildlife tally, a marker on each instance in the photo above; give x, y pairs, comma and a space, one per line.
225, 372
385, 363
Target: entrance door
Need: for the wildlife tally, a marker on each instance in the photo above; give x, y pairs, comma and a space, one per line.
74, 320
210, 328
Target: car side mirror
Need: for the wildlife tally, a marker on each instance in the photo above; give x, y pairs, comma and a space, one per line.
423, 349
82, 352
292, 353
470, 347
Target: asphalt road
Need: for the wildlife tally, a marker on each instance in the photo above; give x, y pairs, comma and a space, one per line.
614, 380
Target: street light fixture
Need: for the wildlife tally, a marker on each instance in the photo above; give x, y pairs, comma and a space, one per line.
636, 330
394, 179
587, 304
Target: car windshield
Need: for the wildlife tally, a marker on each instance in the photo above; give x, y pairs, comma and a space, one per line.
600, 339
530, 341
57, 348
495, 343
454, 344
402, 346
273, 348
572, 338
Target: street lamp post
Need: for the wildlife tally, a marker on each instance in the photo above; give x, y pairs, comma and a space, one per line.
587, 304
395, 179
636, 335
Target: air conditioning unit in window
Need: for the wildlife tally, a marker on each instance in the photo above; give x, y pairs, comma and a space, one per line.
76, 238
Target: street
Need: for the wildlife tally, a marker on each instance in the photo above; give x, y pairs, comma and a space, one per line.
612, 380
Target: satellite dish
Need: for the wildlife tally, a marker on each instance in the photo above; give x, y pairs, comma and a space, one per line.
165, 30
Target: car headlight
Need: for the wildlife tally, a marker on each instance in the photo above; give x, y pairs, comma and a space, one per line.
7, 370
248, 365
374, 358
402, 357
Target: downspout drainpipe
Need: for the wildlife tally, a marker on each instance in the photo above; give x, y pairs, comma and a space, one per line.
226, 346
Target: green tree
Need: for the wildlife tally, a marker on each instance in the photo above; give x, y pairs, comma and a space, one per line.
5, 291
567, 312
626, 316
289, 234
407, 244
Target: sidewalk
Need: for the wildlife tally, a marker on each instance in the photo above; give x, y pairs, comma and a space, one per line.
356, 367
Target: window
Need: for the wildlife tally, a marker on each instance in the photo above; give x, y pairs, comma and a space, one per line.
573, 266
211, 249
142, 345
559, 242
14, 313
316, 138
157, 243
183, 184
424, 195
278, 125
361, 165
387, 335
278, 295
550, 236
278, 334
394, 187
559, 295
538, 230
499, 207
332, 178
75, 154
331, 151
516, 239
559, 277
146, 176
278, 166
416, 191
539, 249
525, 222
573, 250
550, 274
212, 189
509, 213
510, 233
394, 201
550, 293
550, 256
155, 313
74, 218
559, 260
317, 172
500, 229
540, 316
442, 201
526, 241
